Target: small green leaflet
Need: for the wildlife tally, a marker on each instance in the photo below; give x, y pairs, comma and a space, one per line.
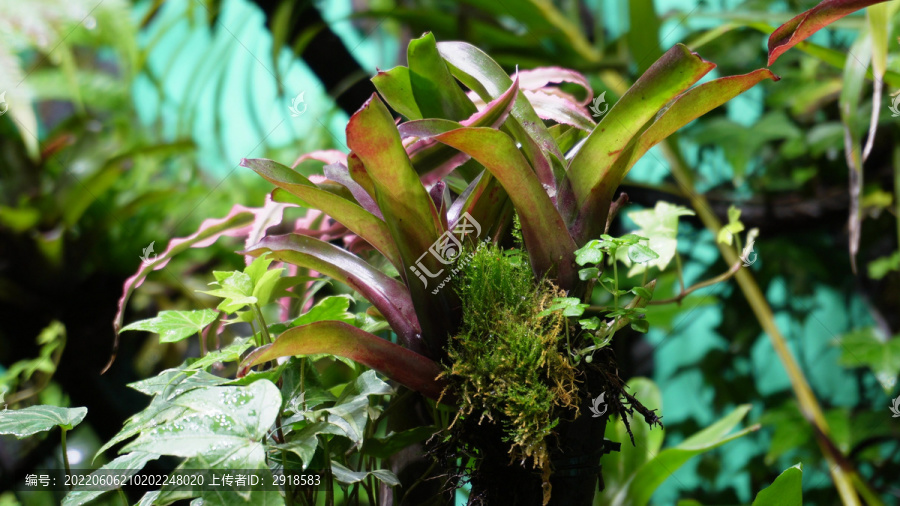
236, 290
734, 226
570, 306
173, 326
33, 419
329, 308
256, 285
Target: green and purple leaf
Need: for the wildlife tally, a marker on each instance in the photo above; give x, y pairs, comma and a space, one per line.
538, 79
409, 211
685, 108
592, 172
359, 221
560, 110
434, 160
387, 294
804, 25
340, 174
337, 338
484, 76
546, 237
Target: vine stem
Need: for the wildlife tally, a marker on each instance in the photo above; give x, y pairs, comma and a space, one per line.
842, 471
703, 284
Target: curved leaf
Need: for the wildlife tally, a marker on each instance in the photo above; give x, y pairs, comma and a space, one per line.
337, 338
435, 91
647, 478
685, 108
591, 172
804, 25
484, 76
361, 222
388, 295
396, 88
173, 326
436, 160
546, 237
786, 490
239, 221
535, 79
339, 173
560, 110
124, 465
410, 213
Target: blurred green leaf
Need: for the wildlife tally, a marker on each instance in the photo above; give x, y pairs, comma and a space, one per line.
863, 348
786, 490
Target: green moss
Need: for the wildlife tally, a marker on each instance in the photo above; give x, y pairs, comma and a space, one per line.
507, 362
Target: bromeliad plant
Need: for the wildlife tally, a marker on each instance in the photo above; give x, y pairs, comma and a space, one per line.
457, 172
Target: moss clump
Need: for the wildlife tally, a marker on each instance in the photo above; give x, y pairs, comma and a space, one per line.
507, 364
